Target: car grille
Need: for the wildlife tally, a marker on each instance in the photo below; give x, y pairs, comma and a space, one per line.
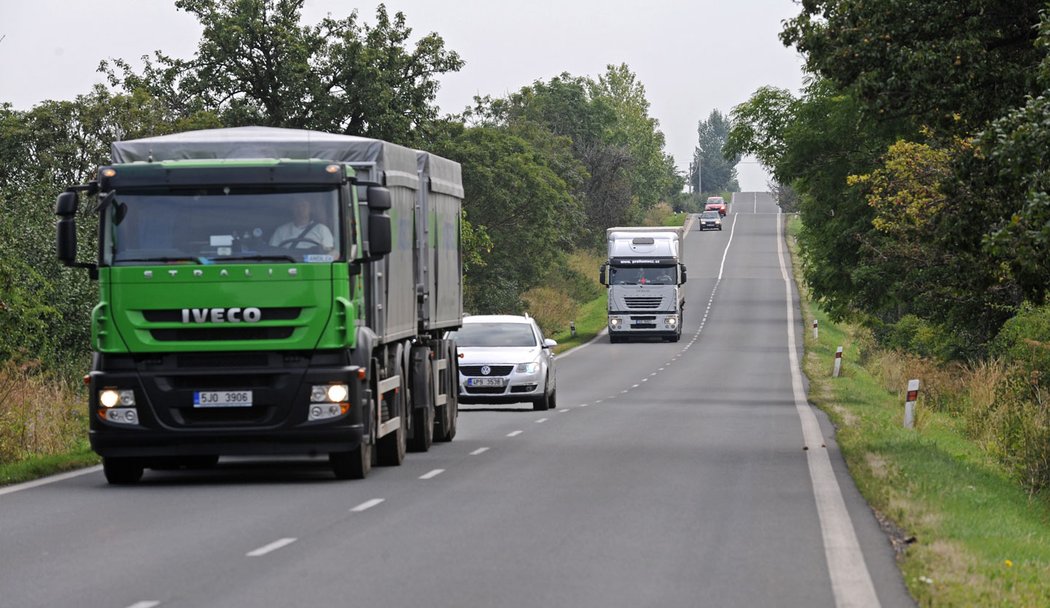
643, 303
486, 390
496, 370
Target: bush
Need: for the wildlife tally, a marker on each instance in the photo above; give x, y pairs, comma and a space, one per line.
1025, 340
38, 414
552, 308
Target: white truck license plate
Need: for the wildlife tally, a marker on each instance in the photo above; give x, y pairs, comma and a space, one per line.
222, 399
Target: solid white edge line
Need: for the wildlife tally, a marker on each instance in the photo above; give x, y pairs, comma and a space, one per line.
432, 474
725, 253
368, 504
36, 483
144, 604
850, 580
479, 451
574, 349
275, 545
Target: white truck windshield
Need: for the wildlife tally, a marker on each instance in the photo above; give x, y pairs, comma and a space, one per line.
654, 275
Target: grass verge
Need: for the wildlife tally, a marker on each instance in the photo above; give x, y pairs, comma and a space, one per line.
34, 467
591, 319
967, 533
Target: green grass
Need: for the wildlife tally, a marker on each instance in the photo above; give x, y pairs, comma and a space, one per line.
981, 540
591, 318
35, 467
676, 219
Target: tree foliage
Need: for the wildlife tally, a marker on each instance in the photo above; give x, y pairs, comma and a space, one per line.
713, 168
257, 64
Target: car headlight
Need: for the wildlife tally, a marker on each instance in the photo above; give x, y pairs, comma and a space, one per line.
527, 368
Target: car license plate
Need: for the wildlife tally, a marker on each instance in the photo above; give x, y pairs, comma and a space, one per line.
486, 381
222, 399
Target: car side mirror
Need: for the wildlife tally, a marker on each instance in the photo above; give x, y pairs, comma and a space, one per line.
548, 343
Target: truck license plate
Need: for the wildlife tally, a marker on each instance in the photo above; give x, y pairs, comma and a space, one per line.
222, 399
486, 381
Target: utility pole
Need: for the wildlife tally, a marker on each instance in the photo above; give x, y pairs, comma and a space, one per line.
700, 172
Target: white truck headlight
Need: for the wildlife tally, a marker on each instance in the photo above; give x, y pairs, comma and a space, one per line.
331, 393
614, 322
672, 321
109, 397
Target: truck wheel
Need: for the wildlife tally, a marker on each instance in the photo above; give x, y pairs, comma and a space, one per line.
354, 464
392, 447
615, 339
122, 471
422, 417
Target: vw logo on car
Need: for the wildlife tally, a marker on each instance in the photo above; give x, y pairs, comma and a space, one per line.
485, 370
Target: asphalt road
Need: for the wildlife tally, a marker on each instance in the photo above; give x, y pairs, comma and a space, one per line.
670, 475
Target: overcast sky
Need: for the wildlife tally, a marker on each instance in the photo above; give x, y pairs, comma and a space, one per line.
692, 56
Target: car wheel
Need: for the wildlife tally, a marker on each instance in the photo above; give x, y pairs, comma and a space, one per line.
542, 403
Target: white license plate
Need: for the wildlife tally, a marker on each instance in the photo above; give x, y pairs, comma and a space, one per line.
486, 381
222, 399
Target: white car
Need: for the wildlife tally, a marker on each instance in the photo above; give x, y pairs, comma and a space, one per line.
505, 359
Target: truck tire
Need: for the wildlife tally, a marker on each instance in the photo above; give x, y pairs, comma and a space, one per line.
122, 471
393, 446
422, 391
445, 417
354, 464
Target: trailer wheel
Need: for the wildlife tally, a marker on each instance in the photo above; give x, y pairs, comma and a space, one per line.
122, 471
446, 416
422, 417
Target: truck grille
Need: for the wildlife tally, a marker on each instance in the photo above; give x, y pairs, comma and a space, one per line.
643, 303
475, 370
268, 314
211, 334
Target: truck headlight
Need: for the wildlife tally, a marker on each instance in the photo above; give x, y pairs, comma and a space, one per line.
527, 368
614, 322
672, 321
109, 397
329, 393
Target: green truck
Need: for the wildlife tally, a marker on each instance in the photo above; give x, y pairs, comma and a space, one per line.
270, 291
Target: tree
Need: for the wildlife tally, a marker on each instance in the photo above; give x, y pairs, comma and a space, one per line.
256, 64
713, 164
525, 209
951, 66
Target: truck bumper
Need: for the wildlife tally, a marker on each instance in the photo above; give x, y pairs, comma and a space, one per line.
166, 422
649, 324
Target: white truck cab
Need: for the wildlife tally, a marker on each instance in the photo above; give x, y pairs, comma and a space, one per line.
644, 276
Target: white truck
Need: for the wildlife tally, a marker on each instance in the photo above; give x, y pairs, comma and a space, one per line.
644, 275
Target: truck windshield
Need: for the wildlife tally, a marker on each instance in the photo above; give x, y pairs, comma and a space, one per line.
652, 275
245, 225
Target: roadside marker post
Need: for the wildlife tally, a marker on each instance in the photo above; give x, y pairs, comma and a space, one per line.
838, 363
909, 404
572, 328
815, 334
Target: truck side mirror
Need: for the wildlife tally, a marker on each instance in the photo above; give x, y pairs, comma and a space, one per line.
379, 235
378, 198
66, 241
601, 276
66, 230
685, 274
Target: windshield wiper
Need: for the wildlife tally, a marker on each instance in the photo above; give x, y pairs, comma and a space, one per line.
161, 259
284, 258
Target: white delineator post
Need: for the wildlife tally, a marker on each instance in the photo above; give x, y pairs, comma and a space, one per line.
838, 363
815, 335
909, 404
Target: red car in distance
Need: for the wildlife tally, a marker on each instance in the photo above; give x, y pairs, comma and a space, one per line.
716, 203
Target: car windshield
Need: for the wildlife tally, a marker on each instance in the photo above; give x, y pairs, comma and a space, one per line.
494, 335
223, 224
710, 215
651, 275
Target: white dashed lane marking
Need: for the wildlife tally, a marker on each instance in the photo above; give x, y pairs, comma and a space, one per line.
368, 504
432, 474
270, 548
479, 451
514, 433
